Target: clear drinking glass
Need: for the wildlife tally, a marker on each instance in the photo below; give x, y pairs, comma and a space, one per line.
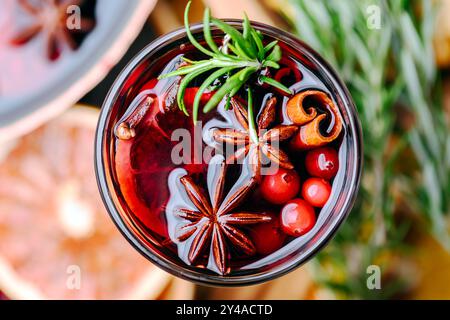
295, 253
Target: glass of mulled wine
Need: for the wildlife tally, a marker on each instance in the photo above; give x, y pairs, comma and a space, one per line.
253, 189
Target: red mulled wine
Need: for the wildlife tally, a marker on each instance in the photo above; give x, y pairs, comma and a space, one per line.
253, 187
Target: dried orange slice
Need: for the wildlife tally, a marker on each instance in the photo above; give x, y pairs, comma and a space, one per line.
56, 239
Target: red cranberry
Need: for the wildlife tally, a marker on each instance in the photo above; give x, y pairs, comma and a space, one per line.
280, 187
297, 217
322, 162
316, 191
268, 237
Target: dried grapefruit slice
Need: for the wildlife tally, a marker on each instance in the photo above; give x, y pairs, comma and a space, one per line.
56, 239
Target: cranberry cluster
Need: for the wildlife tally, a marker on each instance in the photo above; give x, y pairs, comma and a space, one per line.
297, 198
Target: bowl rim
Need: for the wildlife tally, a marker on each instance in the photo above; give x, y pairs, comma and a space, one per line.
248, 279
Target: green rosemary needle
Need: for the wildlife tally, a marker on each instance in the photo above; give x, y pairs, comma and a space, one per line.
238, 60
251, 118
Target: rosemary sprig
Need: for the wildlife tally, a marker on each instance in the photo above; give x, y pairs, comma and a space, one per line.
430, 137
382, 67
239, 58
338, 30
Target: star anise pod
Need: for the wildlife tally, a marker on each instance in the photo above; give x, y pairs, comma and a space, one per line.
266, 142
213, 223
50, 18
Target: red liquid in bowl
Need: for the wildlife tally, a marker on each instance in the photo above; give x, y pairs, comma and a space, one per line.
143, 166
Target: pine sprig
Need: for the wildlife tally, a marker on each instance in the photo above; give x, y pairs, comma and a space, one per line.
238, 59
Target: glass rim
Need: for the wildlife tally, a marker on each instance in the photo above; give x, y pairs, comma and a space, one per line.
353, 173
